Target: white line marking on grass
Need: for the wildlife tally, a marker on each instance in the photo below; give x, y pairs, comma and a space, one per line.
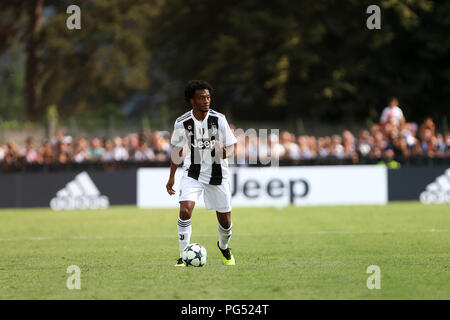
215, 235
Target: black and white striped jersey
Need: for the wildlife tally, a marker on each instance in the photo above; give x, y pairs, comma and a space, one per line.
201, 161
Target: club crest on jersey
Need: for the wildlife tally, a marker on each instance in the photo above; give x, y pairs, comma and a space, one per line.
189, 127
213, 129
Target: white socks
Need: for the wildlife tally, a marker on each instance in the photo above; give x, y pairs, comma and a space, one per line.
224, 236
184, 234
185, 231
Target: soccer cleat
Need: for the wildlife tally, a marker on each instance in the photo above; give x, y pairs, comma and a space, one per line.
180, 263
227, 257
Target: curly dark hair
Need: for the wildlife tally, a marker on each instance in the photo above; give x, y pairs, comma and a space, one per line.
194, 85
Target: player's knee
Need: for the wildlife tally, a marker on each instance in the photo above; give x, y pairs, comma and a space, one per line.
224, 219
185, 212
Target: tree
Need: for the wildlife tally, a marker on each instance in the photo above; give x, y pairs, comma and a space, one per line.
276, 61
102, 64
12, 84
34, 53
283, 60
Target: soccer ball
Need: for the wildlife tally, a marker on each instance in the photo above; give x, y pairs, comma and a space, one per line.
195, 255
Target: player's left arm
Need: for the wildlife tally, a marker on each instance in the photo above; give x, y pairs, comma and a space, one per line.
227, 152
228, 140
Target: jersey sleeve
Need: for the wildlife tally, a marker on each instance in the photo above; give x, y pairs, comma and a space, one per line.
228, 137
178, 138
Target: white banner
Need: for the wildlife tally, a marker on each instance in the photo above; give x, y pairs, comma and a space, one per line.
279, 186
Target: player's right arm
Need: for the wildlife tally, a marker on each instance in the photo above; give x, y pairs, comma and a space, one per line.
176, 156
170, 183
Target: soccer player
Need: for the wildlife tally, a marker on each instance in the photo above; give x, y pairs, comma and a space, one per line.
209, 142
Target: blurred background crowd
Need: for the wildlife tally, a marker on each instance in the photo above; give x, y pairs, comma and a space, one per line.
311, 69
393, 138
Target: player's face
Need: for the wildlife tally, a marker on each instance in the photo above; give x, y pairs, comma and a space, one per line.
201, 100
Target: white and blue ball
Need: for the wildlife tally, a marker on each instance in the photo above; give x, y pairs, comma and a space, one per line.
195, 255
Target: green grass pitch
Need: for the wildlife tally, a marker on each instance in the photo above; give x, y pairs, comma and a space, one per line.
284, 253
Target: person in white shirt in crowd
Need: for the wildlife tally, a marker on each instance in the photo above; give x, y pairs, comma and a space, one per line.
133, 144
80, 153
108, 155
336, 147
323, 146
392, 114
304, 148
278, 151
57, 138
160, 146
2, 153
365, 143
288, 142
143, 153
119, 153
126, 142
312, 140
28, 152
285, 141
408, 133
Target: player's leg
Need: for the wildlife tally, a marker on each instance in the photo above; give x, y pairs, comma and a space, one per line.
190, 190
224, 226
219, 198
184, 224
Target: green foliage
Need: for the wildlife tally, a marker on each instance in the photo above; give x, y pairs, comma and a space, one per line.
12, 83
52, 118
16, 124
104, 62
279, 60
52, 112
310, 59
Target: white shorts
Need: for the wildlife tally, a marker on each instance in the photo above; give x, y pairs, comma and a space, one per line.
217, 197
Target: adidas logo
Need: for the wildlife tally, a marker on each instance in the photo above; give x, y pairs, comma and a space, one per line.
81, 193
437, 191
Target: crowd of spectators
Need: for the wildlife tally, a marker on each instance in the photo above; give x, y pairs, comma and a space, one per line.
392, 138
147, 146
379, 142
